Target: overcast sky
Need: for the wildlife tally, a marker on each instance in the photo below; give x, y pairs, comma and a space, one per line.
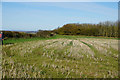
31, 16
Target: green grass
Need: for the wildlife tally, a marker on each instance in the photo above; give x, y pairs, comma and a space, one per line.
17, 40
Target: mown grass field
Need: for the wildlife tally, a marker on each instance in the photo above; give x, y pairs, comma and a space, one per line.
60, 57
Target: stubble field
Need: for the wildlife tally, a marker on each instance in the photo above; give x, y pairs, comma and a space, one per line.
61, 58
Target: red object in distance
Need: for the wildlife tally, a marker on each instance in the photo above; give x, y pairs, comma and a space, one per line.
0, 35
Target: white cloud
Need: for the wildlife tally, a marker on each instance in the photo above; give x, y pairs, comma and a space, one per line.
90, 7
84, 6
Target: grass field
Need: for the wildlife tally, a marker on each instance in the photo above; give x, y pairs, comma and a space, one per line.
60, 57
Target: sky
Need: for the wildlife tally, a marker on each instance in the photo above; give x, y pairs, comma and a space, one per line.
60, 0
33, 16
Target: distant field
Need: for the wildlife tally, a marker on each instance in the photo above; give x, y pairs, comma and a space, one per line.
17, 40
61, 57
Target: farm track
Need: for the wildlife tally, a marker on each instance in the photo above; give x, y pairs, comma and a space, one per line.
61, 58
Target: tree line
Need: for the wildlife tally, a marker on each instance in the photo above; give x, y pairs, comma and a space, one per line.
106, 29
15, 34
